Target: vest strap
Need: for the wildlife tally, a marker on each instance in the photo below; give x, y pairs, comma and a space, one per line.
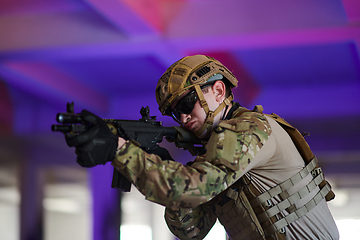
281, 189
286, 203
298, 213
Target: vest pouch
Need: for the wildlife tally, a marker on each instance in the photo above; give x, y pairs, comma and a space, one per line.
237, 216
221, 146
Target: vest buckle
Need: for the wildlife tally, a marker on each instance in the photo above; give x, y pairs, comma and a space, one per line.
316, 172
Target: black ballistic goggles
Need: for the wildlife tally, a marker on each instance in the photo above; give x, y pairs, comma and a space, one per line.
185, 105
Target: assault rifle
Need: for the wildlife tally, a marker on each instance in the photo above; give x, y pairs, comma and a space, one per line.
146, 131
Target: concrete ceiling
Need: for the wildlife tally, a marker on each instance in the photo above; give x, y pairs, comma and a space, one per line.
299, 59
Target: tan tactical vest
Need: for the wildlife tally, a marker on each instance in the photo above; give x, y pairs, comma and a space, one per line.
248, 214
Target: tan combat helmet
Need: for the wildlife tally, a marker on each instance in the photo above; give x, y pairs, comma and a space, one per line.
192, 72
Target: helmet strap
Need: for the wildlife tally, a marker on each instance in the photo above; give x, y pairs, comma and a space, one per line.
210, 115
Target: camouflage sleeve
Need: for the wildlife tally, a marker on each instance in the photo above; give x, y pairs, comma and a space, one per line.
235, 142
190, 223
171, 184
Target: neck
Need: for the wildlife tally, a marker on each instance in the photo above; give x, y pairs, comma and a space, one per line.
226, 111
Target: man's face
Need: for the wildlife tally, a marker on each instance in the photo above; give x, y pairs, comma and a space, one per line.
193, 120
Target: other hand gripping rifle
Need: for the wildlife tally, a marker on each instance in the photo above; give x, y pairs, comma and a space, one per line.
146, 131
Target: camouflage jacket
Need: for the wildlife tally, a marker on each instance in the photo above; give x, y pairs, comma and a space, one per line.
184, 189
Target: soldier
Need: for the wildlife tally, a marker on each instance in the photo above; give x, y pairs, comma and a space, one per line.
258, 175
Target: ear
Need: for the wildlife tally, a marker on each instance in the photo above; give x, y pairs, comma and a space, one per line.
219, 90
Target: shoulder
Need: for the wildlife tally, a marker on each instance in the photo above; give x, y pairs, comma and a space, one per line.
238, 140
245, 122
